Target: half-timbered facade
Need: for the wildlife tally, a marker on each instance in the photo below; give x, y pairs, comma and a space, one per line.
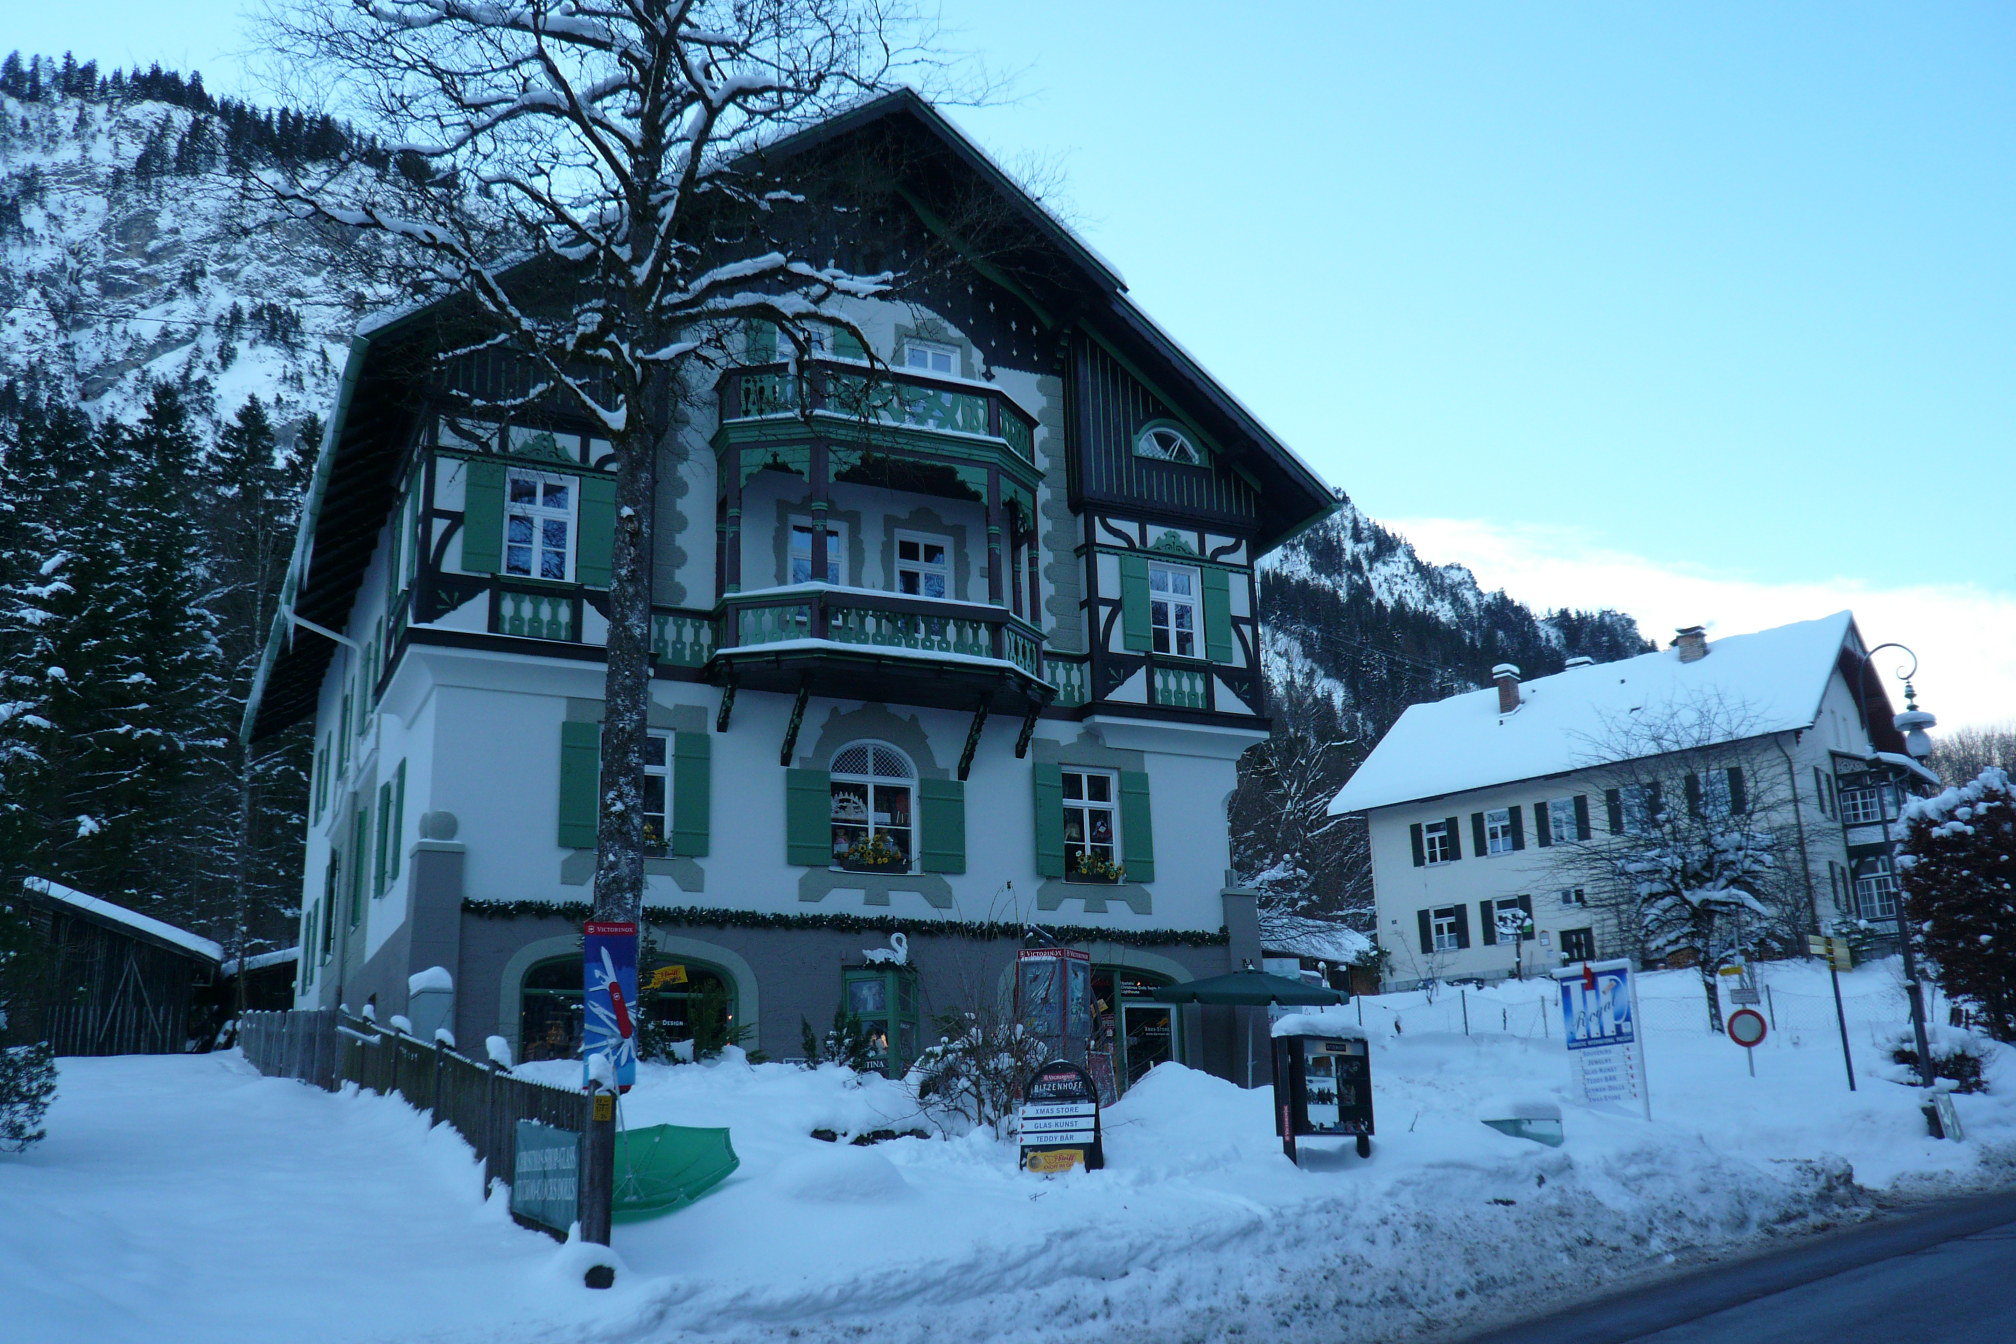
947, 643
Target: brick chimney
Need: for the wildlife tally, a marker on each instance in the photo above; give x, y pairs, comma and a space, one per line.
1692, 642
1507, 677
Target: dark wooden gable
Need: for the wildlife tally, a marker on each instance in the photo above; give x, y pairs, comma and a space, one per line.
1115, 407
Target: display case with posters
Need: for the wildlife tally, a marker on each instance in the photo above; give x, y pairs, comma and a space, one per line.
1322, 1084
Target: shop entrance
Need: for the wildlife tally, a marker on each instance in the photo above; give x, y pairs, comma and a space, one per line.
1142, 1032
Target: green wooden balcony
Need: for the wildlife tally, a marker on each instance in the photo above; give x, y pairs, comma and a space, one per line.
856, 643
882, 397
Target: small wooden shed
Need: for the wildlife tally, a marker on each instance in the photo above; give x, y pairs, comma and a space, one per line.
115, 981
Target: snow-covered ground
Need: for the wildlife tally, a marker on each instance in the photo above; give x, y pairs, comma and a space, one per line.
185, 1198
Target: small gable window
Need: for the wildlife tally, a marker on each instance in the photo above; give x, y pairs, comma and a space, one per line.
1166, 443
931, 357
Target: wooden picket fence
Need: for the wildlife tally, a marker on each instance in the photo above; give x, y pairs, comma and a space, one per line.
328, 1048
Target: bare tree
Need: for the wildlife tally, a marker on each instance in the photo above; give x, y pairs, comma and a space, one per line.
1961, 754
1699, 856
1311, 869
588, 179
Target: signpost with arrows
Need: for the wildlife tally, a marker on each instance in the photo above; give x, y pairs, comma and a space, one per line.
1839, 958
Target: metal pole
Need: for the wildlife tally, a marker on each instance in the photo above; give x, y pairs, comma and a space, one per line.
1464, 995
1913, 990
1771, 1007
598, 1177
1841, 1018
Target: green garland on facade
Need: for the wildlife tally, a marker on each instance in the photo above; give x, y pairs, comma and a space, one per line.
577, 912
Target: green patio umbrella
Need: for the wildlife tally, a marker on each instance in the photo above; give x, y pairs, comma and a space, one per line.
1248, 989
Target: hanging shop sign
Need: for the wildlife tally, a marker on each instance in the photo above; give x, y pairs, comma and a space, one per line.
1058, 1122
1599, 1018
609, 976
545, 1175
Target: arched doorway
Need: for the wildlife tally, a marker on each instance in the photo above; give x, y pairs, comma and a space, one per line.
682, 1001
1143, 1032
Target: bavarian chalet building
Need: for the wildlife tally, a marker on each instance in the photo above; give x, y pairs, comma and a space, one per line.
980, 658
1477, 804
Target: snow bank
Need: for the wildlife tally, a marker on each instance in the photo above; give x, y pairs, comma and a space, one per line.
1197, 1229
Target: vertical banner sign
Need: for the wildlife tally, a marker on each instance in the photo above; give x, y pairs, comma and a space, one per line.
608, 1022
1599, 1018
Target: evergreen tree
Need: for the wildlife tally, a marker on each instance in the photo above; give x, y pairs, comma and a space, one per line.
1959, 869
258, 485
27, 1066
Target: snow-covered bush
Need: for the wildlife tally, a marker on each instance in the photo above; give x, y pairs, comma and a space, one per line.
1959, 873
27, 1067
977, 1068
1957, 1055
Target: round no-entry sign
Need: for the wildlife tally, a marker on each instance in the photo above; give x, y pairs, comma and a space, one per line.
1746, 1028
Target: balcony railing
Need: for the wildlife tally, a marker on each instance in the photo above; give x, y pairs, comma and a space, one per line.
869, 619
885, 397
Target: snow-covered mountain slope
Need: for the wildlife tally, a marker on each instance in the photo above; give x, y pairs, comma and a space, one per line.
131, 253
1351, 606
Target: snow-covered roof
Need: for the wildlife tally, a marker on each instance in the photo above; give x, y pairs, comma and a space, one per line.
1772, 681
1325, 942
259, 961
132, 919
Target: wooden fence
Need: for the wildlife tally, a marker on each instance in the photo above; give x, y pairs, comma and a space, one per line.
483, 1103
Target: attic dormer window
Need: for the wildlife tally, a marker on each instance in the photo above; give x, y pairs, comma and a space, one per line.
1166, 443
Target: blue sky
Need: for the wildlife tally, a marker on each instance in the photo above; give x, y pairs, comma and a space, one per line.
1705, 311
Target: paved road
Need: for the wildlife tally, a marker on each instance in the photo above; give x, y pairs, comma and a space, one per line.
1946, 1276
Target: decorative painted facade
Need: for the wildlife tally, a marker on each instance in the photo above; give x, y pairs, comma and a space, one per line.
950, 647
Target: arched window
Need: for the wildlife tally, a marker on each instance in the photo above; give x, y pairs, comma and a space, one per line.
1166, 443
874, 821
688, 1000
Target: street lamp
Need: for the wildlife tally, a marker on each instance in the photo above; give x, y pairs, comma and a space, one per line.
1912, 723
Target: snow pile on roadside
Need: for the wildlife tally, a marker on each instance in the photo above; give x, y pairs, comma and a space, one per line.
243, 1192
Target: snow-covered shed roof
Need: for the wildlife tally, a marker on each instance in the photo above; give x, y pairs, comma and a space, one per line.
1772, 681
146, 925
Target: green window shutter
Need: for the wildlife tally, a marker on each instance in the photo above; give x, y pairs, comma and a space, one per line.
1049, 819
692, 785
398, 832
847, 346
360, 859
384, 838
598, 531
1427, 929
941, 807
580, 782
808, 818
1218, 615
1136, 635
1487, 922
483, 517
760, 340
1137, 829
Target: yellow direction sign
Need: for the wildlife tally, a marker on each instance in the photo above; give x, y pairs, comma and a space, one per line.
1835, 950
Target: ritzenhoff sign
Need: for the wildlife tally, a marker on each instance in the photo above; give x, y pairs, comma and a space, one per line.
1059, 1120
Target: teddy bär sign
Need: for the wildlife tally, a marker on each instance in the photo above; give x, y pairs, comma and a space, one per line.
1059, 1120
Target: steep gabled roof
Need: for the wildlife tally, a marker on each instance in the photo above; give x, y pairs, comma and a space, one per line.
351, 491
1770, 682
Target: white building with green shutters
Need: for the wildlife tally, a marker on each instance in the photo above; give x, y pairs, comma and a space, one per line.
958, 650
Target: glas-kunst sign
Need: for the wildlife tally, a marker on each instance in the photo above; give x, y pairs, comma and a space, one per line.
608, 1019
1599, 1021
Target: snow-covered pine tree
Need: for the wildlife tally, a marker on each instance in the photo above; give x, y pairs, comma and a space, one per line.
1959, 878
256, 482
41, 500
